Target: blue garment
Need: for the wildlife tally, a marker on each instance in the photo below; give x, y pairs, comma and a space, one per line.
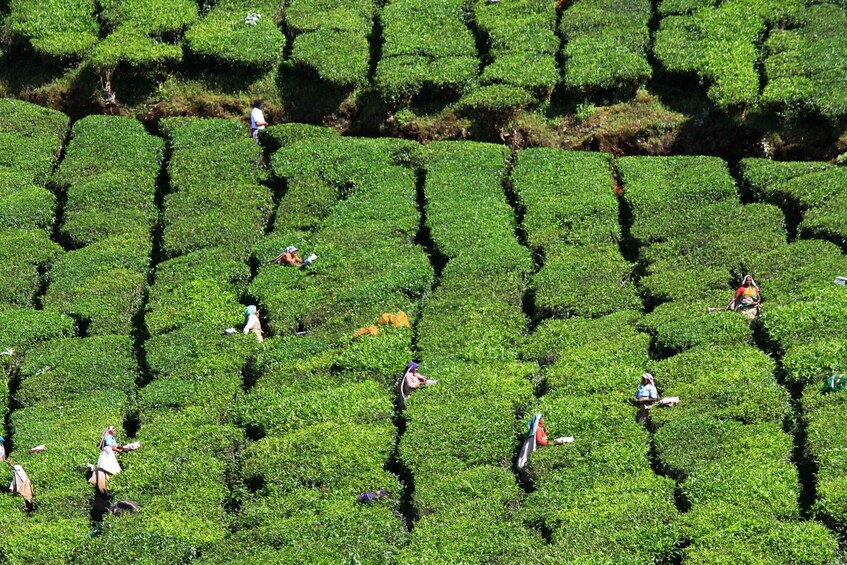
646, 391
110, 440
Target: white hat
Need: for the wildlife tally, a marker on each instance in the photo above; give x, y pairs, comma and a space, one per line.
290, 249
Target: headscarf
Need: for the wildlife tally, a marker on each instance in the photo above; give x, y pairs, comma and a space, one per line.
649, 378
249, 312
290, 249
104, 434
411, 366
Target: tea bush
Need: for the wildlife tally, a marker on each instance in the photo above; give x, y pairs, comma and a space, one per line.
664, 192
337, 57
719, 45
310, 526
22, 328
24, 205
24, 256
805, 65
801, 269
425, 46
584, 281
149, 16
103, 283
30, 139
58, 28
129, 46
797, 324
63, 370
213, 153
109, 144
681, 325
345, 459
277, 410
109, 205
522, 45
606, 45
592, 367
824, 446
567, 196
239, 33
353, 241
331, 38
722, 382
811, 190
277, 136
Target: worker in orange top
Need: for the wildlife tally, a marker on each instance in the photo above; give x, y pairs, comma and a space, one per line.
289, 257
747, 298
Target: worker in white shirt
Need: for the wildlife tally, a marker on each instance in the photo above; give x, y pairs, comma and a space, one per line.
257, 119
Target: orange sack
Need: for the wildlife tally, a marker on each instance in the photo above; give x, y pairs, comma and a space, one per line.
370, 330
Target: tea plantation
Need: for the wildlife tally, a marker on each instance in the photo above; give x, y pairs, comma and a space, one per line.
536, 280
559, 195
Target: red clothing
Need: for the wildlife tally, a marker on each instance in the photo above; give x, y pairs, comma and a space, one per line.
540, 434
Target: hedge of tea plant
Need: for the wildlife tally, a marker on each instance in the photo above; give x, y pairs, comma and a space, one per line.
522, 45
109, 172
216, 199
571, 220
65, 29
606, 45
331, 38
239, 33
426, 46
805, 65
129, 46
720, 44
70, 390
159, 17
30, 140
812, 192
366, 221
321, 410
724, 442
461, 432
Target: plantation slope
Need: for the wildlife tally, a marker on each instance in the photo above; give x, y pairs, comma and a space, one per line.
725, 442
538, 280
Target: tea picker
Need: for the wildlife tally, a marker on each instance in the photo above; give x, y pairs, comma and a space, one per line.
252, 323
411, 381
21, 485
290, 257
257, 119
370, 496
747, 299
536, 435
646, 396
835, 383
107, 464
